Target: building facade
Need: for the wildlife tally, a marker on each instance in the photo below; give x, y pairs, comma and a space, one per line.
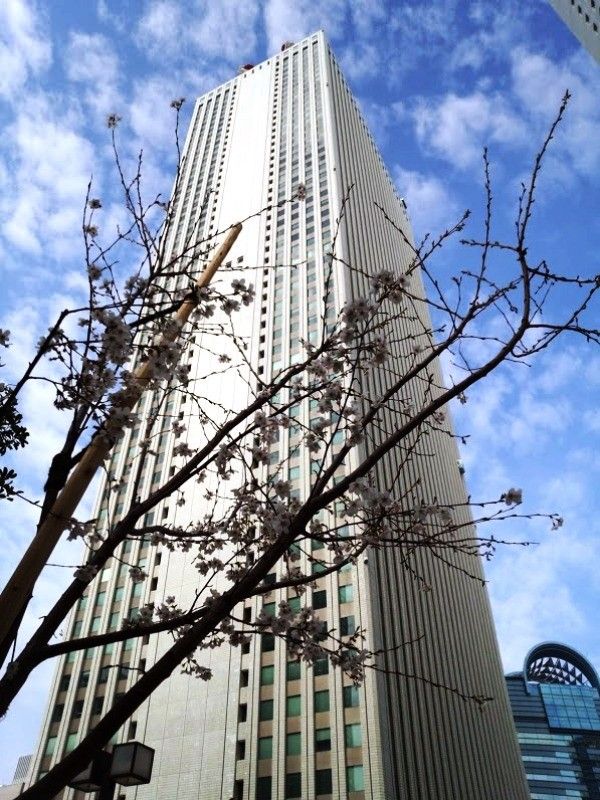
556, 706
582, 17
265, 727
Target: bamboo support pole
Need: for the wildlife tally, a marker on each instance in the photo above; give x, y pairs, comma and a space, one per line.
15, 595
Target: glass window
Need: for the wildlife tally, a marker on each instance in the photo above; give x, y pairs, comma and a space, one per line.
323, 782
265, 710
294, 603
267, 642
265, 747
346, 593
320, 599
321, 666
267, 675
84, 679
293, 785
322, 739
351, 697
293, 744
347, 626
263, 788
64, 683
322, 701
293, 670
293, 706
355, 778
77, 709
50, 746
95, 626
100, 598
317, 567
71, 742
353, 735
269, 608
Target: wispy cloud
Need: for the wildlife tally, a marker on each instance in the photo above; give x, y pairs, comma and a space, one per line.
25, 48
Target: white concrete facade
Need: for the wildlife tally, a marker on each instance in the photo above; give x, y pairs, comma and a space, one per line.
292, 120
583, 18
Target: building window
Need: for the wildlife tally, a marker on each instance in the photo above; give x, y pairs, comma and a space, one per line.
293, 744
97, 704
77, 709
323, 782
84, 679
57, 712
263, 788
103, 676
346, 593
322, 739
293, 706
243, 712
293, 670
347, 626
71, 742
50, 746
265, 747
64, 683
267, 675
351, 697
267, 642
321, 666
293, 785
240, 749
244, 677
353, 735
322, 701
355, 778
319, 599
265, 710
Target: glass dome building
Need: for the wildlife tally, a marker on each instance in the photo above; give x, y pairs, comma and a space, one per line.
556, 708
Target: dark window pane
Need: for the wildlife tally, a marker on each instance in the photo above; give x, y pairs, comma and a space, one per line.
293, 670
322, 701
322, 739
265, 710
323, 783
293, 785
263, 788
351, 699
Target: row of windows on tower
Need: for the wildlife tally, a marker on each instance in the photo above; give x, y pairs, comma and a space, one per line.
323, 783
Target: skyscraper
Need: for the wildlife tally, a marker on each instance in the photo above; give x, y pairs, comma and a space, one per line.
583, 19
556, 706
264, 726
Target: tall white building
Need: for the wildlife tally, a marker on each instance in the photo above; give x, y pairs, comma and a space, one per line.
583, 18
263, 726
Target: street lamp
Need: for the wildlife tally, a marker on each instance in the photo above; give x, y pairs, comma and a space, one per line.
129, 764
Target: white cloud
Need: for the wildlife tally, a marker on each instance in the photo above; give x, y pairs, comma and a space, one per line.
457, 128
293, 19
431, 207
52, 166
539, 83
91, 61
199, 28
24, 47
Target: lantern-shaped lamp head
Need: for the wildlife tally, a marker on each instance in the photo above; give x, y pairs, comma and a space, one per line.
93, 777
131, 763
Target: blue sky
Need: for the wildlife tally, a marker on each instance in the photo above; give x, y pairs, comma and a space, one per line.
437, 80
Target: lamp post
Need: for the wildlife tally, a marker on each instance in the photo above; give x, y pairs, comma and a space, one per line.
129, 764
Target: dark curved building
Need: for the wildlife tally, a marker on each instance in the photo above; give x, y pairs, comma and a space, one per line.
556, 707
